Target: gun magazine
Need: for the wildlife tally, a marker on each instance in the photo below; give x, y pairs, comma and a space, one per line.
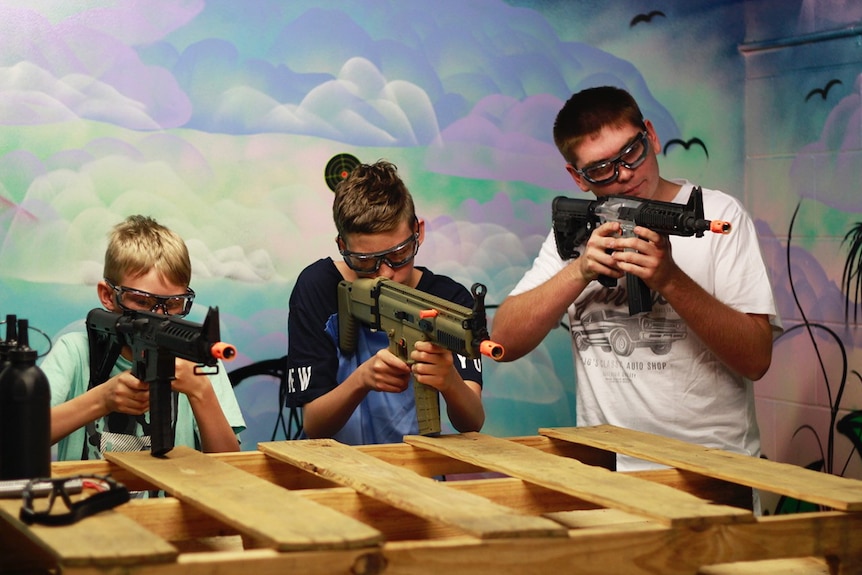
427, 408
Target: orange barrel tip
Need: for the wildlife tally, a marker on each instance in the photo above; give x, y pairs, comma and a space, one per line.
224, 351
719, 227
491, 349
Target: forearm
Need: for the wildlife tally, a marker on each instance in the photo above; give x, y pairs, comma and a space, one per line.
743, 342
464, 405
327, 414
76, 413
523, 320
217, 435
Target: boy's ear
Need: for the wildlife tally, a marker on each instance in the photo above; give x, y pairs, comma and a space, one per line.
655, 143
581, 183
421, 230
106, 295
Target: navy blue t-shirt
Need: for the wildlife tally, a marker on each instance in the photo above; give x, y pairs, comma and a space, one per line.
316, 365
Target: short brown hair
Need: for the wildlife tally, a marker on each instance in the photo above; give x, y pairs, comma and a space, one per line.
138, 244
590, 110
372, 199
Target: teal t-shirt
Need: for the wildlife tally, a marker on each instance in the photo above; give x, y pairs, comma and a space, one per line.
67, 367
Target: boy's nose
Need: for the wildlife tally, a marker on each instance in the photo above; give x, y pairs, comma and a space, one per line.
385, 271
625, 174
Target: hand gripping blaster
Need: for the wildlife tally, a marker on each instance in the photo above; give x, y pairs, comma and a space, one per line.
156, 341
408, 315
574, 221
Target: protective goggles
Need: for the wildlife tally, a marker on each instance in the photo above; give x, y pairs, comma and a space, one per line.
92, 494
607, 171
396, 257
138, 300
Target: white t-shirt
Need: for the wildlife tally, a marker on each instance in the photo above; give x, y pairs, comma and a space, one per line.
649, 372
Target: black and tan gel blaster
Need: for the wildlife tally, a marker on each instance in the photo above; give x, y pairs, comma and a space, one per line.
408, 315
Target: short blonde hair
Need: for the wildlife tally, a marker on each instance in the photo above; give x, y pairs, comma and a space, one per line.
139, 244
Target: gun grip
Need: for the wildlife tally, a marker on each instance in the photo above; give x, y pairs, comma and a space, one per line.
608, 281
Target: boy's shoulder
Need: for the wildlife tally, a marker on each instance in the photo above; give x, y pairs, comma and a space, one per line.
443, 286
323, 271
72, 342
324, 267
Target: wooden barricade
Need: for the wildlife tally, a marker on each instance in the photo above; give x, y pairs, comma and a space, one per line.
543, 504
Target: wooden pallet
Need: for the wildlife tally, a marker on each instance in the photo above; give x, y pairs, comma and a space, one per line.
551, 505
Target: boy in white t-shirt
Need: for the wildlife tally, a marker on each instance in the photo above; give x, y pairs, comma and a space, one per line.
685, 368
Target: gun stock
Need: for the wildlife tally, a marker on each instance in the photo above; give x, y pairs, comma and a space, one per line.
574, 221
408, 315
156, 341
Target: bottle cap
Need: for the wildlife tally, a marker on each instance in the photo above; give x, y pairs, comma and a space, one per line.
22, 351
11, 340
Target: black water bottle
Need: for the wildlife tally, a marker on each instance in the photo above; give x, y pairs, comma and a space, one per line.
25, 413
6, 344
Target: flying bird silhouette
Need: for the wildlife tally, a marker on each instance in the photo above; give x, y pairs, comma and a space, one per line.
646, 17
686, 145
824, 91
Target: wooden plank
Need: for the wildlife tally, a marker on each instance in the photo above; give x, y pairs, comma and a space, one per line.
421, 461
583, 518
632, 550
366, 561
603, 542
105, 539
648, 550
800, 566
273, 516
176, 521
406, 490
598, 485
791, 480
429, 464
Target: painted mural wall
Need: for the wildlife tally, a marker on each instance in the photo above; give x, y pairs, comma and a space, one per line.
218, 119
802, 171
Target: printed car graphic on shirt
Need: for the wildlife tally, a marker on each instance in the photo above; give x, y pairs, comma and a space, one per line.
622, 333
